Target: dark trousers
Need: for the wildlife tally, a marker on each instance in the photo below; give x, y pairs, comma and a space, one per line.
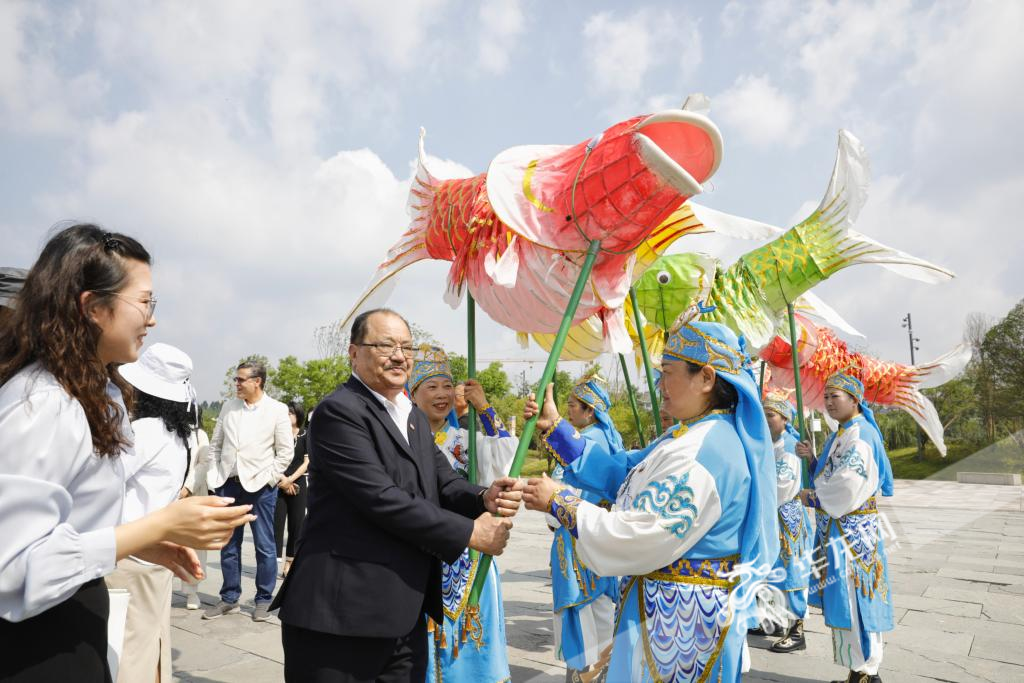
263, 503
290, 509
67, 642
316, 657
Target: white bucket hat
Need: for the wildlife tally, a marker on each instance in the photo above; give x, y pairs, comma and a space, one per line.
163, 371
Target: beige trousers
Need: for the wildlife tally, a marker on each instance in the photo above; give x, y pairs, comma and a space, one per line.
147, 632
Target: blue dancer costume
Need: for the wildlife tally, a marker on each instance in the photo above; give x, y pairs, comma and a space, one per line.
584, 603
458, 651
695, 514
792, 570
853, 589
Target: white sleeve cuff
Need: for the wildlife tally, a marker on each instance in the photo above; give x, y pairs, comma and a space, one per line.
99, 552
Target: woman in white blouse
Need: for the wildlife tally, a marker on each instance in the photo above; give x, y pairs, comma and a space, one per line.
85, 309
163, 419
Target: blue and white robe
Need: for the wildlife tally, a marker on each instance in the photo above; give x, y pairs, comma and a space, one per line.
853, 583
483, 658
583, 602
796, 531
673, 534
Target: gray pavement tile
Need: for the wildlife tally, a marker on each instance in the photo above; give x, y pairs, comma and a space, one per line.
939, 606
1002, 650
929, 638
958, 588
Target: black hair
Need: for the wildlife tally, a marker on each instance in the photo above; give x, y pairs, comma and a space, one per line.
175, 415
49, 326
723, 394
295, 406
256, 369
359, 325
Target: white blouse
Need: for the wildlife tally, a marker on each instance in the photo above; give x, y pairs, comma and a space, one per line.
59, 502
667, 503
789, 472
156, 473
850, 477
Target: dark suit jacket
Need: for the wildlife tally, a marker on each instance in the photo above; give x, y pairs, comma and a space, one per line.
382, 514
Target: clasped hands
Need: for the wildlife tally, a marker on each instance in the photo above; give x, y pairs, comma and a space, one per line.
491, 530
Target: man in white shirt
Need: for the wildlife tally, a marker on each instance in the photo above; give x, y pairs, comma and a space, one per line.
251, 447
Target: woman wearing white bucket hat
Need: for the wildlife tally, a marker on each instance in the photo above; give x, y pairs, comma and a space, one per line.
163, 419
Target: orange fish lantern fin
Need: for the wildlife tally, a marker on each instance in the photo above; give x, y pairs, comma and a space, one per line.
503, 268
943, 368
411, 246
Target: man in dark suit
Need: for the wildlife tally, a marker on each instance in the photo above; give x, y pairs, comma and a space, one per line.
385, 508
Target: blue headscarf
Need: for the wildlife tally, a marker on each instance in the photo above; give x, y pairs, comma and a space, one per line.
781, 405
854, 387
590, 392
714, 344
431, 361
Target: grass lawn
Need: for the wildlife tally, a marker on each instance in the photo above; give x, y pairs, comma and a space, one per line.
1001, 457
535, 464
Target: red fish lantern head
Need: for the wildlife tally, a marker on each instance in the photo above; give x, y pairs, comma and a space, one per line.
616, 188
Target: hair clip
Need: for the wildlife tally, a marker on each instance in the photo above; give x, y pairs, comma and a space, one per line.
110, 242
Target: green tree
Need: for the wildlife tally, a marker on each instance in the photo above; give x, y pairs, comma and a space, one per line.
494, 381
229, 376
1004, 353
563, 385
460, 367
309, 382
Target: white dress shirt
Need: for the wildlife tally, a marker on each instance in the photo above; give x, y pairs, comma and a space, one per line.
400, 409
253, 442
59, 501
156, 472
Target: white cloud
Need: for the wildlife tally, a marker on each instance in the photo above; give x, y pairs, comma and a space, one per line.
622, 52
732, 16
966, 72
501, 24
758, 112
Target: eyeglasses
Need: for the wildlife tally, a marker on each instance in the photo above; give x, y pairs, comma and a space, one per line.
386, 350
243, 380
150, 303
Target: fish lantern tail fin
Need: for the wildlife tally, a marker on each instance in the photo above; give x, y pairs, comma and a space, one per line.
910, 380
824, 243
410, 247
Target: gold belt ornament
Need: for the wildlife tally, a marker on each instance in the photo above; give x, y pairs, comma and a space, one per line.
704, 572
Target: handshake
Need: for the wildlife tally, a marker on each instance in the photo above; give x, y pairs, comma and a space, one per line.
491, 530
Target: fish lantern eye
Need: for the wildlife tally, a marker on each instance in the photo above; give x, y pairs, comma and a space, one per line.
664, 278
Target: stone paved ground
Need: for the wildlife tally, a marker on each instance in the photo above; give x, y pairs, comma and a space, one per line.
958, 580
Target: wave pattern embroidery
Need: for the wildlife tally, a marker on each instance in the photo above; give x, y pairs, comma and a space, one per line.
792, 516
784, 471
454, 579
850, 458
683, 631
672, 500
861, 534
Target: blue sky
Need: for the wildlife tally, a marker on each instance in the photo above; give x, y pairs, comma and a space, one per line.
262, 151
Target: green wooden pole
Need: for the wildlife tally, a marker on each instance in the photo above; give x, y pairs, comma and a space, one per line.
760, 383
632, 401
796, 383
471, 372
545, 380
647, 361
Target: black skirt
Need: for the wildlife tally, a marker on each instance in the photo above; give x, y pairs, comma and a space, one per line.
67, 642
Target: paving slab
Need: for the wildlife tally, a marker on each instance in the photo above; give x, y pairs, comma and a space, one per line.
956, 565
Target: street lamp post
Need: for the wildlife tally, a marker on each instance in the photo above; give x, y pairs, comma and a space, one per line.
914, 347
